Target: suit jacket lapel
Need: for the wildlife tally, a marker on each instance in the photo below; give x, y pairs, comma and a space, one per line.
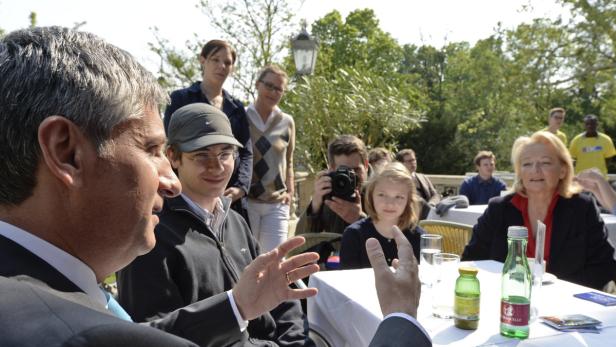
22, 265
18, 261
422, 185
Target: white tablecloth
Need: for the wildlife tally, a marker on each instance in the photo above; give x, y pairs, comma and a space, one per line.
470, 215
347, 313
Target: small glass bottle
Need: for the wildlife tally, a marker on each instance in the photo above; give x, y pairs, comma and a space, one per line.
466, 303
516, 286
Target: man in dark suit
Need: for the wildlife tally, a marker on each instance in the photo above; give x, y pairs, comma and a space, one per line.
82, 175
427, 194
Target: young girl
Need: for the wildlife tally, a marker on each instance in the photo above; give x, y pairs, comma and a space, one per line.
390, 200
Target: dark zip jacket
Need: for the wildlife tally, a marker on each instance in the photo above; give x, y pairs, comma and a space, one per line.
189, 263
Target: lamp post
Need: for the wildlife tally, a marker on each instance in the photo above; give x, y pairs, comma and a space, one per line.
304, 50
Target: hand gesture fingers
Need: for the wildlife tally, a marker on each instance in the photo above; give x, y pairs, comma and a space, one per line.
265, 282
398, 291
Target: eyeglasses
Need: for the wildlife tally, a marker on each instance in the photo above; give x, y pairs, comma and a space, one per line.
204, 158
271, 87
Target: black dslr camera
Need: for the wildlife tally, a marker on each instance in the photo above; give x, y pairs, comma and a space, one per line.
344, 183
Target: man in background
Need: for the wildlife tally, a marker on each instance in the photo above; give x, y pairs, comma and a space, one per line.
331, 213
378, 158
483, 186
556, 118
428, 196
591, 148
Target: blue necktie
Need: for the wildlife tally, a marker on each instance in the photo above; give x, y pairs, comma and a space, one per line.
114, 307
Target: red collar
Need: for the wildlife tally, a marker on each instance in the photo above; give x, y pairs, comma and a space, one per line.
521, 203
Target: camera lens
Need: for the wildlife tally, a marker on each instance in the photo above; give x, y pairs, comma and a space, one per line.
342, 186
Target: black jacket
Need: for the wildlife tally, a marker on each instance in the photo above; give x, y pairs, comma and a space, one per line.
579, 250
189, 263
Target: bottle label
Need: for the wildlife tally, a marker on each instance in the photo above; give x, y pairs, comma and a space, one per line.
515, 314
466, 308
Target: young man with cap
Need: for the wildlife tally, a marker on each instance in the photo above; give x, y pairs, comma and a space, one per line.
202, 245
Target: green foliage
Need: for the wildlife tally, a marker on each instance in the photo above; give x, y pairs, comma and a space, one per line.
357, 42
446, 103
348, 102
32, 18
356, 89
178, 67
485, 96
258, 29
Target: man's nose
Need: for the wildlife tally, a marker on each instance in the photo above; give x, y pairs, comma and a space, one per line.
168, 183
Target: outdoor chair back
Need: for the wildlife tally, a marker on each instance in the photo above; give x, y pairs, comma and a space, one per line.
455, 235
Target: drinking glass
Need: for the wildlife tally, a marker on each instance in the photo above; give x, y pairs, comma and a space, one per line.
443, 290
429, 245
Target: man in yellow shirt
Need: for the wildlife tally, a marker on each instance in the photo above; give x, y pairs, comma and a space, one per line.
556, 119
591, 148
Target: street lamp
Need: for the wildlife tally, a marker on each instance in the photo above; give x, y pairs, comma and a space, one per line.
304, 51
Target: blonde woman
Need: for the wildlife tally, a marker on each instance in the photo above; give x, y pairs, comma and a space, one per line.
272, 134
576, 247
390, 200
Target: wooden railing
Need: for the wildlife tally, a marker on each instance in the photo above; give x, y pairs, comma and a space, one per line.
447, 185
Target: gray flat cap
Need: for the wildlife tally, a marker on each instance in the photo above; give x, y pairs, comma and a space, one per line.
199, 125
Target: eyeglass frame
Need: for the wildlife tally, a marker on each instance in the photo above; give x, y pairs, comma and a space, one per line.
271, 87
203, 158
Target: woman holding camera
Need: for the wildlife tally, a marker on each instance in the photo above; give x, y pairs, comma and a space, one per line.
217, 59
273, 137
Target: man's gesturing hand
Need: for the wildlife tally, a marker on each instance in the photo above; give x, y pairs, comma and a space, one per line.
398, 290
264, 284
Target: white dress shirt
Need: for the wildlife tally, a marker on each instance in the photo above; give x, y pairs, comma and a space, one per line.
72, 268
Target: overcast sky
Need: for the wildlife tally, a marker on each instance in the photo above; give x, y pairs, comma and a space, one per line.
127, 23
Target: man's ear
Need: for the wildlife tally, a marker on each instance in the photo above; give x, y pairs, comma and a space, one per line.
61, 143
174, 159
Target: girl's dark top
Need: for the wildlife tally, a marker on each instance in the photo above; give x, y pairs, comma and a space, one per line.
353, 253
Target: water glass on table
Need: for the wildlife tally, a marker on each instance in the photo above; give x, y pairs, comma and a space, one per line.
443, 291
429, 245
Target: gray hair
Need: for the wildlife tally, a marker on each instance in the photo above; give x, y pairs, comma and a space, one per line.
57, 71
